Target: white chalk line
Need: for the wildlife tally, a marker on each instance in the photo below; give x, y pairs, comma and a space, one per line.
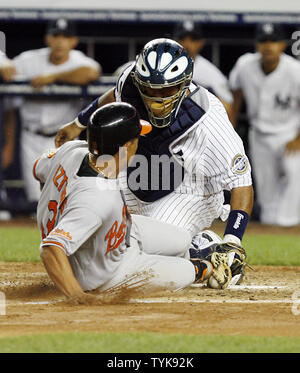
177, 300
188, 300
21, 275
245, 287
223, 301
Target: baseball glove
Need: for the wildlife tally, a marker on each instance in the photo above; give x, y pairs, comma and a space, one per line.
221, 275
236, 258
236, 261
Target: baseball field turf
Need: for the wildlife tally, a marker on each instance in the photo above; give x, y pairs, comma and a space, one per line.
262, 315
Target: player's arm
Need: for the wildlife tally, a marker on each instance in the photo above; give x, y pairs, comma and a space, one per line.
241, 203
235, 106
242, 198
82, 75
293, 146
72, 130
59, 270
227, 105
8, 71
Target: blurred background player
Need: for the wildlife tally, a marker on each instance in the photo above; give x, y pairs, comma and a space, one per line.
7, 138
269, 82
206, 74
42, 116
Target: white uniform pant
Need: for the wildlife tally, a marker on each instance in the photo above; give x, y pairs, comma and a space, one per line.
277, 178
32, 147
144, 263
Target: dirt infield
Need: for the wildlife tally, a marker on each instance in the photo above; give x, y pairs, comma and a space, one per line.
266, 304
263, 305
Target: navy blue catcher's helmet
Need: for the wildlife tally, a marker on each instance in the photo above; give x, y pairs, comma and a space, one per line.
163, 63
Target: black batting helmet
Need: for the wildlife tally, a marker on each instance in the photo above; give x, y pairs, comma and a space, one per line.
112, 125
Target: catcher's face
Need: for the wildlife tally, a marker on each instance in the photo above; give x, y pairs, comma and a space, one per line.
160, 100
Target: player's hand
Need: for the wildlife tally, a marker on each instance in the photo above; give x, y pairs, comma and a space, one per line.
85, 299
293, 146
41, 81
99, 299
67, 133
8, 71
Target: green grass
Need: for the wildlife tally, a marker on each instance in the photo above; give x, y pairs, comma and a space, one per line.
272, 249
19, 244
22, 245
147, 342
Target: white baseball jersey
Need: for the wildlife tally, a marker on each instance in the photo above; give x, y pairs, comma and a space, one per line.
274, 115
72, 209
86, 218
214, 160
209, 76
3, 58
46, 114
273, 99
43, 114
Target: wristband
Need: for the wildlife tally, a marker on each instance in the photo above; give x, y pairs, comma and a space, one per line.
78, 124
237, 223
84, 116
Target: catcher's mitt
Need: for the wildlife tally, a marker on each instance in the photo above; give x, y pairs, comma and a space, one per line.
221, 275
236, 259
236, 256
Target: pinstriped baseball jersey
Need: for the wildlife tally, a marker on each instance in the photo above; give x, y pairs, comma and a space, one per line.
84, 216
273, 103
272, 99
214, 160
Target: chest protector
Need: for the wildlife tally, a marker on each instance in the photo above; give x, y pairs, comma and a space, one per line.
154, 172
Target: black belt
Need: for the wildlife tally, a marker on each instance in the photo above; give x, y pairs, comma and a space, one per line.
41, 133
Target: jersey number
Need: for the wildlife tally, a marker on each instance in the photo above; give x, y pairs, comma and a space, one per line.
53, 208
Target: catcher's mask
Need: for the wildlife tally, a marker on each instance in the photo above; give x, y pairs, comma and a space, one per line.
163, 63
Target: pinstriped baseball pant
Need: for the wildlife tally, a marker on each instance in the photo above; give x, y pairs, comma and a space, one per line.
189, 211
